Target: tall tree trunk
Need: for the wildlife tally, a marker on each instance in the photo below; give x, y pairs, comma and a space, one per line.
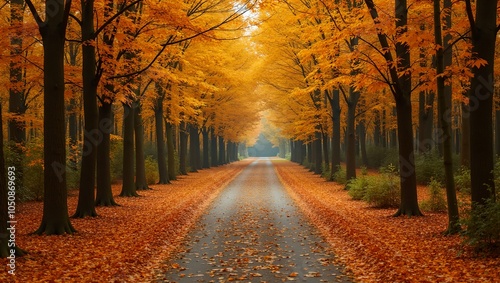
92, 136
222, 151
17, 99
351, 134
318, 154
425, 121
401, 88
484, 30
213, 148
128, 185
104, 196
335, 105
194, 148
465, 129
172, 174
140, 166
55, 218
326, 155
160, 143
362, 142
5, 202
206, 151
444, 109
183, 148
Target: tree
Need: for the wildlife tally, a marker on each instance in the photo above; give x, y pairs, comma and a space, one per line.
55, 219
444, 110
400, 82
484, 30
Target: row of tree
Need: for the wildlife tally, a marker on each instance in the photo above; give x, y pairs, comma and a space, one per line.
185, 65
363, 66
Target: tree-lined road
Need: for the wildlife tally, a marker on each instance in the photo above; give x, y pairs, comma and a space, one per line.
254, 233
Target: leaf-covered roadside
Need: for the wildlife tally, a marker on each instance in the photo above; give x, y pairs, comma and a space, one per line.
123, 244
376, 247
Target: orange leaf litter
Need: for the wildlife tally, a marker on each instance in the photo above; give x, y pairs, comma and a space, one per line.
124, 244
376, 247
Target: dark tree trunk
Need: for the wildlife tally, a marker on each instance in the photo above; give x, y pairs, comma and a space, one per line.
362, 142
351, 134
377, 129
160, 143
183, 148
465, 129
92, 136
172, 174
206, 151
326, 155
335, 105
213, 148
128, 185
310, 156
425, 121
55, 218
194, 148
444, 110
5, 202
401, 88
481, 93
104, 196
318, 154
222, 151
140, 166
17, 99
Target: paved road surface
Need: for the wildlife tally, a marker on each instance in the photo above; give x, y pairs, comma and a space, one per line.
254, 233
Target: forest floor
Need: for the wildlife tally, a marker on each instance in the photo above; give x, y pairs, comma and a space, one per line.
130, 243
123, 244
376, 247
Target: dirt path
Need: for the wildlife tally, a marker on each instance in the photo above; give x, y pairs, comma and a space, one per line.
254, 233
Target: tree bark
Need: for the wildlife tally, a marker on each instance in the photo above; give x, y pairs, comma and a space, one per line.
222, 151
92, 136
128, 185
206, 151
183, 148
171, 167
481, 93
444, 110
352, 102
160, 143
213, 148
55, 218
104, 196
194, 148
401, 88
362, 142
140, 166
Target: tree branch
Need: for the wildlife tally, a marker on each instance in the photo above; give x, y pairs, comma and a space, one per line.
470, 16
33, 11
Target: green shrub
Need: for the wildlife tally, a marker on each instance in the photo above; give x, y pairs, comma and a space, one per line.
462, 180
340, 175
436, 201
391, 157
383, 191
358, 187
483, 227
429, 166
152, 174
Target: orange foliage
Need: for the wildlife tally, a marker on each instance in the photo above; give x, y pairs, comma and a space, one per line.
376, 247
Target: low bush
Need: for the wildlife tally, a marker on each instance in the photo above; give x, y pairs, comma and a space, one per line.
358, 187
483, 227
152, 174
462, 180
384, 191
437, 200
340, 175
429, 166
